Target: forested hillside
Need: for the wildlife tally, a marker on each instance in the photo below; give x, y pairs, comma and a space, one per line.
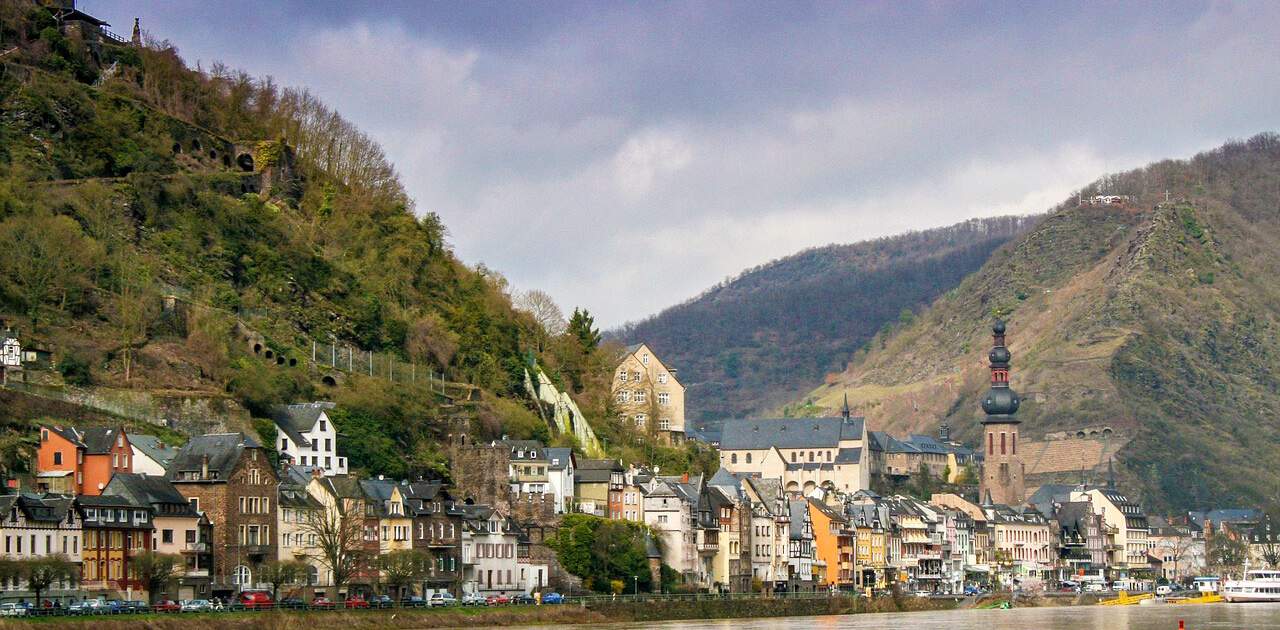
753, 343
129, 181
1159, 317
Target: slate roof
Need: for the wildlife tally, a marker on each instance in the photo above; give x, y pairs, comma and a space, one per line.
709, 432
525, 450
150, 490
799, 509
294, 420
222, 449
1229, 515
99, 440
562, 455
1045, 496
596, 470
849, 455
748, 434
926, 444
68, 433
48, 508
155, 448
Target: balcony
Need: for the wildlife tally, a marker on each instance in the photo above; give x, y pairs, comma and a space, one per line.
195, 548
255, 550
708, 547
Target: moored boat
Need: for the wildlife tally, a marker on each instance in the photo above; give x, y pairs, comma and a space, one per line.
1257, 586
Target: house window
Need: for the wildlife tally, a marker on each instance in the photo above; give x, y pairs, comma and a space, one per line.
641, 396
57, 458
644, 359
640, 418
1002, 443
664, 424
195, 503
284, 444
733, 459
323, 426
662, 378
635, 376
241, 576
624, 396
664, 398
166, 536
748, 458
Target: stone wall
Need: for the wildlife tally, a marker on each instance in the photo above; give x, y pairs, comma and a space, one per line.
192, 413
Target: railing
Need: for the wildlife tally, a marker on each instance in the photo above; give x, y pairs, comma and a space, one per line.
705, 546
197, 547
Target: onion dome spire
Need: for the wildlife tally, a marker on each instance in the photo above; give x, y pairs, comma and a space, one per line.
1000, 400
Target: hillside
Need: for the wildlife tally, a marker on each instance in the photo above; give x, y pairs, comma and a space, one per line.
194, 247
1155, 318
753, 343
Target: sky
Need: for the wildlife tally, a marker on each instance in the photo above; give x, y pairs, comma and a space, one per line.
625, 156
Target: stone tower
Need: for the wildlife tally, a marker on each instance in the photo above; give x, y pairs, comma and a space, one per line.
1003, 470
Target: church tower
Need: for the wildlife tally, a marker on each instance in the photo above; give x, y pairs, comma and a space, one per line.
1002, 470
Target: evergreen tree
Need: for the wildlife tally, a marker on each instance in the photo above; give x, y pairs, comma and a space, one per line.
582, 328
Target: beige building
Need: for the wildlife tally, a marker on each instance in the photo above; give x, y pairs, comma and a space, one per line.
805, 453
647, 394
1127, 528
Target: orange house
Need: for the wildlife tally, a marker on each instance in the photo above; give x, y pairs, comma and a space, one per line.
832, 543
75, 461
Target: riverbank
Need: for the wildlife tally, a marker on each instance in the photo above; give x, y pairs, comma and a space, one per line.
596, 612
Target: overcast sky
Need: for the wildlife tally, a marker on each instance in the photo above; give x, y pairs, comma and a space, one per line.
626, 156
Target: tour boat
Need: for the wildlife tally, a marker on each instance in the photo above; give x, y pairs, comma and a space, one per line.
1257, 586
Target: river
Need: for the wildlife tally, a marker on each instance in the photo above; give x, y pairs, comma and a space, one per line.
1160, 617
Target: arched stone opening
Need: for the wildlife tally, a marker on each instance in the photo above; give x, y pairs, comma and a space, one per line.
195, 145
280, 359
177, 148
257, 348
226, 160
293, 362
269, 354
245, 162
329, 380
213, 155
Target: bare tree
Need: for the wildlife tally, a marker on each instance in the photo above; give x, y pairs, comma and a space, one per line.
47, 263
544, 310
134, 307
278, 573
340, 543
402, 568
42, 573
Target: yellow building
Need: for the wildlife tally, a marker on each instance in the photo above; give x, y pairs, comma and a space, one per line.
647, 394
871, 545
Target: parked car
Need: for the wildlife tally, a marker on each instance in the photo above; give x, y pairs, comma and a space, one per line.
136, 606
196, 605
381, 601
522, 599
474, 599
12, 610
552, 598
1164, 590
356, 601
167, 606
254, 599
323, 603
412, 601
497, 600
111, 607
291, 603
442, 598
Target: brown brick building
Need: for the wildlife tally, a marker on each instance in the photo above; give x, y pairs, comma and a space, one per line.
437, 531
229, 478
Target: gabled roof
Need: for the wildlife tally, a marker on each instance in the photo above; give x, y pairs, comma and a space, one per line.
153, 447
99, 440
223, 451
150, 490
559, 457
1046, 495
747, 434
294, 420
524, 450
596, 470
799, 510
827, 510
67, 433
50, 508
849, 455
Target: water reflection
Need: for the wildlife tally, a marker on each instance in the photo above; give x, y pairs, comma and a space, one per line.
1163, 617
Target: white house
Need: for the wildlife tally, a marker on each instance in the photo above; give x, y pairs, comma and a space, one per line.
489, 548
560, 468
306, 437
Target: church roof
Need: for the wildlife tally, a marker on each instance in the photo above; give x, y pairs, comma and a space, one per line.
749, 434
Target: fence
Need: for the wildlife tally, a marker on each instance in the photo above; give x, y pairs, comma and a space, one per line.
346, 358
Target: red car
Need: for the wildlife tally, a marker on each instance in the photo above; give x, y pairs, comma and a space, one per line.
356, 601
322, 602
496, 600
167, 606
254, 599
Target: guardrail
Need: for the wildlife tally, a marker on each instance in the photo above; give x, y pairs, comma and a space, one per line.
141, 608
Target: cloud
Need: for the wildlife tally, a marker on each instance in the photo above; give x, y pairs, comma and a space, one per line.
626, 157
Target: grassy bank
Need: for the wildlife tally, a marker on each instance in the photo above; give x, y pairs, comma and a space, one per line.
505, 616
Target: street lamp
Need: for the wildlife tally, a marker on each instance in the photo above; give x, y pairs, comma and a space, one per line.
636, 580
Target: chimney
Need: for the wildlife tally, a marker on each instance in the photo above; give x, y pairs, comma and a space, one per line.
204, 467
